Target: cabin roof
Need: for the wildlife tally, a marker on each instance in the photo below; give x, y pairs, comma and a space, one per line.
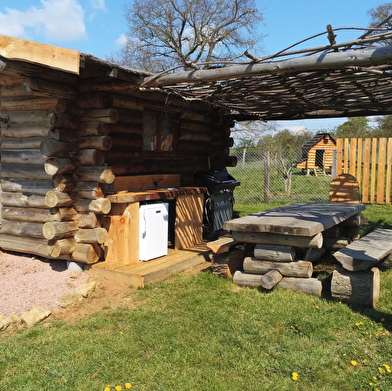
342, 80
314, 140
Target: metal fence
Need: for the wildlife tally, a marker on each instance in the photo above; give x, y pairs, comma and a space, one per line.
271, 176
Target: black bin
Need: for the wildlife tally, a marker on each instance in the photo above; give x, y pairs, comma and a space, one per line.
219, 201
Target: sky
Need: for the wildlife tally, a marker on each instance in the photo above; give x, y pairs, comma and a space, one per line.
97, 27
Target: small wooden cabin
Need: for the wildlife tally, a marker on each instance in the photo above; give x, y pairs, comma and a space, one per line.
84, 145
317, 154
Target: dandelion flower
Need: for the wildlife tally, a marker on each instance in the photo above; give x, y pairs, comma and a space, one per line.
118, 388
128, 385
370, 384
354, 363
294, 376
107, 388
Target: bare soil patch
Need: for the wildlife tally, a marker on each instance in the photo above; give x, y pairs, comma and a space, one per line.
27, 282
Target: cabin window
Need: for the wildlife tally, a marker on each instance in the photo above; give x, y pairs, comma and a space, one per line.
158, 132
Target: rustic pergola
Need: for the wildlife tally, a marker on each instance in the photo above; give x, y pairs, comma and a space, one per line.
338, 80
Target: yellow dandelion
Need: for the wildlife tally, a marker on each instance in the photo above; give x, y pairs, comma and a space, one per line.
128, 385
294, 376
118, 388
354, 363
380, 369
107, 388
365, 361
370, 384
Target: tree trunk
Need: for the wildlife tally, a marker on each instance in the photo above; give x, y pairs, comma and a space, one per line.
86, 253
56, 166
245, 279
312, 286
99, 206
22, 229
56, 199
289, 269
359, 288
315, 241
270, 279
226, 264
95, 235
26, 214
274, 253
100, 174
61, 247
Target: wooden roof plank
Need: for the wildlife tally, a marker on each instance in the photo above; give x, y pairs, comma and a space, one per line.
37, 53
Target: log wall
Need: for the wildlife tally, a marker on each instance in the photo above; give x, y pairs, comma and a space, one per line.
63, 144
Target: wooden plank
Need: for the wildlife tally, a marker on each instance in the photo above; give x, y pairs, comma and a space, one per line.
373, 175
340, 163
222, 245
122, 243
346, 154
362, 254
359, 160
366, 172
388, 173
302, 219
145, 182
353, 156
37, 53
382, 152
189, 221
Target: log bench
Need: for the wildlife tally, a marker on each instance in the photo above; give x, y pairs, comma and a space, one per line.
367, 252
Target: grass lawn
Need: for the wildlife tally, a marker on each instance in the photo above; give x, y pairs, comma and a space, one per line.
202, 332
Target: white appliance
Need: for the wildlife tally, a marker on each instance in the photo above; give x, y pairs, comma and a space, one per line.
153, 230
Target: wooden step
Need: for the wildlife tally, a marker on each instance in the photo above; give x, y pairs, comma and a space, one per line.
143, 273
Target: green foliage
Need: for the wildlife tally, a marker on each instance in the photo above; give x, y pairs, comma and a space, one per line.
354, 127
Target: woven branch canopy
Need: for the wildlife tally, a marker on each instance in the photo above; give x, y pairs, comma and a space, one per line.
346, 80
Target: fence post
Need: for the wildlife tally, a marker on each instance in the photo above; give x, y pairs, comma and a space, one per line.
266, 163
243, 158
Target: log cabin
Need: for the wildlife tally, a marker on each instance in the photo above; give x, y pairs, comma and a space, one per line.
317, 154
84, 147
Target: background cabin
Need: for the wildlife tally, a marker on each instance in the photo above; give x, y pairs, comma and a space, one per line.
84, 146
317, 154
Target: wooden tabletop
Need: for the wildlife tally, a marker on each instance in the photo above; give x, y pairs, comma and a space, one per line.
302, 219
154, 195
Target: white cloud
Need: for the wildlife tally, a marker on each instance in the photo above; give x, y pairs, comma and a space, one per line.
55, 20
98, 5
121, 40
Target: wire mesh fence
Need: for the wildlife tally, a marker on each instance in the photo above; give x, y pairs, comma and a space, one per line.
271, 176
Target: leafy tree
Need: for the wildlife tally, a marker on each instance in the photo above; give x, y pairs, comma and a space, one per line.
167, 33
354, 127
383, 127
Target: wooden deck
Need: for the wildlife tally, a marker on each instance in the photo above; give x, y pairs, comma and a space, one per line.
144, 273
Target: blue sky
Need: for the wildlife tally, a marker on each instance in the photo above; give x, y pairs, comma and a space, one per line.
96, 26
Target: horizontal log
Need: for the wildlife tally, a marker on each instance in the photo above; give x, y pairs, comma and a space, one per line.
86, 253
246, 279
91, 235
99, 206
25, 130
32, 215
108, 116
226, 264
22, 200
63, 121
358, 288
87, 220
91, 157
122, 141
224, 161
26, 156
311, 286
25, 102
315, 241
58, 230
29, 117
60, 247
34, 246
41, 87
68, 106
126, 102
23, 171
100, 174
53, 148
63, 214
336, 243
57, 199
314, 254
63, 135
22, 143
288, 269
22, 229
93, 128
192, 135
29, 186
274, 253
366, 57
102, 143
94, 100
55, 166
89, 190
63, 183
270, 279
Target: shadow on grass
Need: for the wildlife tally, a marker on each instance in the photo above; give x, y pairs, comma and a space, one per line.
372, 225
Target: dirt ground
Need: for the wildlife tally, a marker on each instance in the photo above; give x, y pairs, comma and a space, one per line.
27, 282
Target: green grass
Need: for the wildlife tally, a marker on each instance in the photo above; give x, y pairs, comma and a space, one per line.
201, 332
